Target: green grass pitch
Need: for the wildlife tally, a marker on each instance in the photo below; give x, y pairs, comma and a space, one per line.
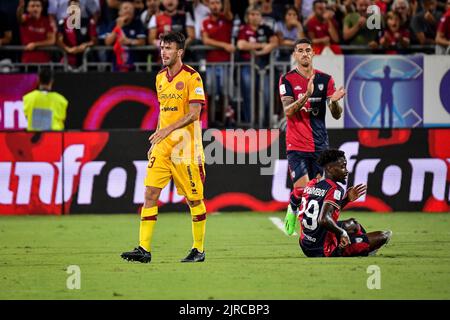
247, 257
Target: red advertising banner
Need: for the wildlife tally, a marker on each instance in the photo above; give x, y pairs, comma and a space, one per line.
103, 171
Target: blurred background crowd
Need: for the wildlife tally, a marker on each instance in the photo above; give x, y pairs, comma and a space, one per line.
230, 25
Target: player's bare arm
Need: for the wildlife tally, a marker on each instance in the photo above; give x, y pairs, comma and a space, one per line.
353, 194
291, 107
191, 116
326, 220
335, 108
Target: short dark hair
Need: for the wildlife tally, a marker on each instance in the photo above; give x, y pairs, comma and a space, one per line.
329, 156
303, 40
318, 1
45, 76
174, 36
290, 8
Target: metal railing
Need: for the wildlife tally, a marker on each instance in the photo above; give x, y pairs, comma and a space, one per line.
56, 52
224, 94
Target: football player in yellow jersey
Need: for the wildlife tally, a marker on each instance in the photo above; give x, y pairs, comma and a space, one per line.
176, 150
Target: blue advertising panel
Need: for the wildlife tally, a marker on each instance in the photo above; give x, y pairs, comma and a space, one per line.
384, 91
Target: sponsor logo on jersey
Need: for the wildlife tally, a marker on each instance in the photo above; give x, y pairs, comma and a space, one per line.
169, 109
298, 88
171, 96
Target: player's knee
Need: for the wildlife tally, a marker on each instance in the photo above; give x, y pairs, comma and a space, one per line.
385, 236
193, 203
152, 194
351, 226
198, 209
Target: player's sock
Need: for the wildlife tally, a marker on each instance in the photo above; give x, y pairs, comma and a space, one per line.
198, 214
296, 198
148, 221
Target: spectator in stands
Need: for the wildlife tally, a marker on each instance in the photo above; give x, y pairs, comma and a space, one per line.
322, 28
171, 19
152, 9
424, 24
355, 27
139, 7
200, 13
5, 30
36, 31
109, 12
216, 31
443, 33
290, 29
75, 41
126, 32
269, 17
280, 6
57, 9
384, 5
45, 110
405, 11
306, 10
254, 37
394, 37
5, 39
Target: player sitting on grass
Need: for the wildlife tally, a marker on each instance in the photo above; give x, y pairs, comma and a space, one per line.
322, 235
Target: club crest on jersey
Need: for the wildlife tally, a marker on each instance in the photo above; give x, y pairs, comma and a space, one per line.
179, 85
320, 86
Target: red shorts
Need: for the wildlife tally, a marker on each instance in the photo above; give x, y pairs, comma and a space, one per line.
359, 245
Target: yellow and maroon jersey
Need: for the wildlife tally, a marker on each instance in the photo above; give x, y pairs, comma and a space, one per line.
174, 95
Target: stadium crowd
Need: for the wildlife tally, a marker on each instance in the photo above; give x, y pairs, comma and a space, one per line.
229, 25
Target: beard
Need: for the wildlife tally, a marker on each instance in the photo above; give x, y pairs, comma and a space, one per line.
305, 63
170, 62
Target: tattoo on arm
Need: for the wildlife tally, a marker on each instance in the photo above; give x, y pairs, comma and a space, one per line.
336, 109
291, 107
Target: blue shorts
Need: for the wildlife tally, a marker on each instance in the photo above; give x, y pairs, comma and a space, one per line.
303, 163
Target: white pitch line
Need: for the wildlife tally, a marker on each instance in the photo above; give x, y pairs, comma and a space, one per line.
280, 225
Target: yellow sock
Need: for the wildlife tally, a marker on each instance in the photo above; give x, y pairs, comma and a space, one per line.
148, 221
198, 226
